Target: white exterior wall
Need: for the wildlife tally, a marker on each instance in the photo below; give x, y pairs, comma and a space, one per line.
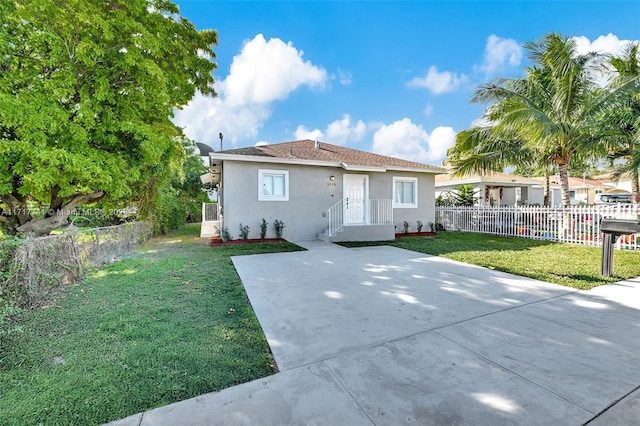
425, 212
535, 196
311, 194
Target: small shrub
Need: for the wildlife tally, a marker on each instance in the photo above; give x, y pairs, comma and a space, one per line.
224, 234
419, 227
405, 227
244, 232
263, 229
439, 227
278, 226
432, 226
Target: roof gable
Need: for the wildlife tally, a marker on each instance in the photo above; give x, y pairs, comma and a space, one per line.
308, 152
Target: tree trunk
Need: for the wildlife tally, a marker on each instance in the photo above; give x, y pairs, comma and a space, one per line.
547, 185
564, 182
635, 187
17, 214
59, 217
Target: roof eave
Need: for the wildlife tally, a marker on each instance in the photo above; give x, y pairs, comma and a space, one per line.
432, 169
266, 159
357, 168
304, 162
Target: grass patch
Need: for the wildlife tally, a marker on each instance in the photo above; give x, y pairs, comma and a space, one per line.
566, 264
168, 323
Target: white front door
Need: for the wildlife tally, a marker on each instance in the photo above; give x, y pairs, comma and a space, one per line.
356, 194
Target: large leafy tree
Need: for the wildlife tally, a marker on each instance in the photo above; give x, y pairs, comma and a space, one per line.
180, 200
550, 113
87, 90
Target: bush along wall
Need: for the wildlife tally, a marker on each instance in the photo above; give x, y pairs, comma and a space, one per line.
32, 269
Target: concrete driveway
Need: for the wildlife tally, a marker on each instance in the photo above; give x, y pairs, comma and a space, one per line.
385, 336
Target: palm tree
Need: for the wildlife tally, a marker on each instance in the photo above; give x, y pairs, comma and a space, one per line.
552, 110
619, 125
492, 146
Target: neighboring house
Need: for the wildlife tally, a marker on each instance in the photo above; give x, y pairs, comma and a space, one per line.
321, 190
495, 189
504, 189
622, 185
581, 191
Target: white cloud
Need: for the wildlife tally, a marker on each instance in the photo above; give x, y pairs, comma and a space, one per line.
204, 117
262, 73
428, 110
439, 82
338, 132
345, 77
304, 133
604, 44
342, 131
607, 45
442, 138
268, 71
404, 139
500, 52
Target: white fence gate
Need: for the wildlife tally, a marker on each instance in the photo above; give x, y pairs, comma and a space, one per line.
578, 225
211, 220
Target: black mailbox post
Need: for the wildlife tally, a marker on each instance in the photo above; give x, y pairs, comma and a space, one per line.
611, 230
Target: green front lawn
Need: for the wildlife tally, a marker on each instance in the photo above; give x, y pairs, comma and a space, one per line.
173, 321
169, 323
567, 264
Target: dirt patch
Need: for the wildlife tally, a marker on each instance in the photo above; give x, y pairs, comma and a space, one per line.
416, 234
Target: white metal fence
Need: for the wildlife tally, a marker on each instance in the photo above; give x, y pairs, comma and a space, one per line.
578, 225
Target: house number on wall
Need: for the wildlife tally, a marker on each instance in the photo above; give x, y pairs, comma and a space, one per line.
331, 184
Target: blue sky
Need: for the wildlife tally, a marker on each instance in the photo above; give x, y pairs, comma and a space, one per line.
388, 77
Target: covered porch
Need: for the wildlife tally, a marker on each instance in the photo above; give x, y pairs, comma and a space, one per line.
357, 219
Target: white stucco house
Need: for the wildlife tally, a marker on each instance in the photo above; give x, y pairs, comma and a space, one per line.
320, 190
581, 190
503, 189
495, 189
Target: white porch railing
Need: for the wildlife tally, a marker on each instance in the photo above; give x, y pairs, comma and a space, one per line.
379, 212
335, 215
578, 224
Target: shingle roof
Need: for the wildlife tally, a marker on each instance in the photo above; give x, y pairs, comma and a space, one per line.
325, 152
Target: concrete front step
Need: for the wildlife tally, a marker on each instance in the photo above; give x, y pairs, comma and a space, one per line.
361, 233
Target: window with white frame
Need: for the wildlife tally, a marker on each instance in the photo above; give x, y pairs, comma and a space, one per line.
405, 192
273, 185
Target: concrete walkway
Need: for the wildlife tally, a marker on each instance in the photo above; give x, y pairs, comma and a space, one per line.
386, 336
